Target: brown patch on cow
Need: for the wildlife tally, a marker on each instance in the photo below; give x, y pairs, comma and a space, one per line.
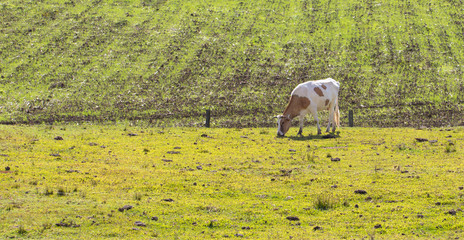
319, 91
323, 86
327, 102
296, 105
304, 102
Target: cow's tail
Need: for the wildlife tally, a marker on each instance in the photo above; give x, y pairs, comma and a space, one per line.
337, 114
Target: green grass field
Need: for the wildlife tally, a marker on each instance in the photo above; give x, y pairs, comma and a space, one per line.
166, 62
123, 181
113, 92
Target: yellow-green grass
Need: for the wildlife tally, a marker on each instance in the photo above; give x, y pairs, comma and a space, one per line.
192, 183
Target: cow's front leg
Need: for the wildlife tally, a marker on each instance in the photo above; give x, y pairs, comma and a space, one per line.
319, 131
300, 132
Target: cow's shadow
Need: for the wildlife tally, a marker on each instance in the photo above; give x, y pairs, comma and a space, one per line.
314, 137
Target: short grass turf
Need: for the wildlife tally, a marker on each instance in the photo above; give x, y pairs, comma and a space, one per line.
399, 63
121, 181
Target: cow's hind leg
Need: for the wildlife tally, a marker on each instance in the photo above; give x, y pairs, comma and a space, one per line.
328, 126
331, 116
336, 119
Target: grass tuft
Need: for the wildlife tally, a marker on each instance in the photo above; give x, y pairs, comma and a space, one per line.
138, 196
401, 147
450, 147
309, 156
324, 202
61, 192
48, 191
22, 230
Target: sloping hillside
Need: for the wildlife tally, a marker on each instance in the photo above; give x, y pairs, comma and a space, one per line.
399, 62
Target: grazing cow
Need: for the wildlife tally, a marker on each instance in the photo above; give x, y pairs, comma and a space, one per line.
311, 97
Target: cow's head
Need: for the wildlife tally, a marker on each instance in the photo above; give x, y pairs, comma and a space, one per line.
283, 124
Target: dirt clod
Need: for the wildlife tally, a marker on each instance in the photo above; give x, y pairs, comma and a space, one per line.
452, 212
285, 172
67, 224
58, 138
293, 218
360, 191
140, 224
126, 207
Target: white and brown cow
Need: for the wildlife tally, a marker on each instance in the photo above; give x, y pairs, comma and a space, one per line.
311, 97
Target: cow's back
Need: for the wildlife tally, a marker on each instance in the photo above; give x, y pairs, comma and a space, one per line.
319, 88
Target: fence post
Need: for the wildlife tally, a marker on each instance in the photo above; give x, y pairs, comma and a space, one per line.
208, 118
350, 118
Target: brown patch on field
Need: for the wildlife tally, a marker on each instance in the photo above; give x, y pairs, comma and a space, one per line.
319, 91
